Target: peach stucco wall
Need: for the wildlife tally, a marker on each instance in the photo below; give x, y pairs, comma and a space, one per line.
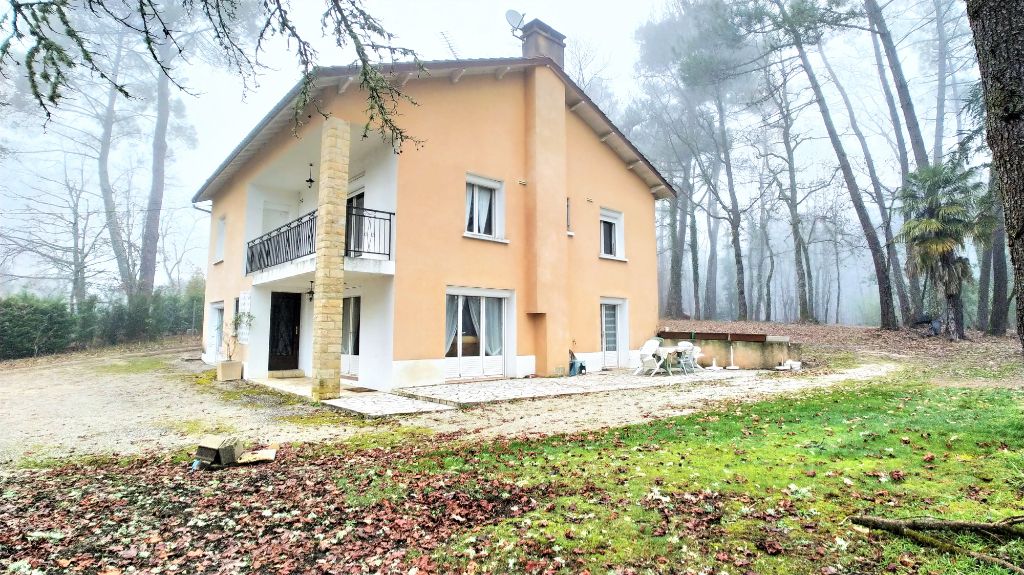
599, 179
519, 131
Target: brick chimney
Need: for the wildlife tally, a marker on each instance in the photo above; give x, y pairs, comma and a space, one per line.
541, 40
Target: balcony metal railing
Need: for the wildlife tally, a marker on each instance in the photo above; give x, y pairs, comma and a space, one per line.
368, 234
289, 242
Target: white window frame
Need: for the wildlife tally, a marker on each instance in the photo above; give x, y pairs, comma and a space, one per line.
618, 221
498, 187
622, 323
220, 233
511, 327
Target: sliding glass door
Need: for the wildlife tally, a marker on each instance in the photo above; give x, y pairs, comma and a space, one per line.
474, 336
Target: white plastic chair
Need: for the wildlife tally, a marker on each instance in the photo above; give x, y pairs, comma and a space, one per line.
649, 358
694, 355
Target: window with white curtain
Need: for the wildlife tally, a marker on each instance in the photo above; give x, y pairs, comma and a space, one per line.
485, 208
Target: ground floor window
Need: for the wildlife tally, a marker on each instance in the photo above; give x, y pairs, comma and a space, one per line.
474, 335
350, 309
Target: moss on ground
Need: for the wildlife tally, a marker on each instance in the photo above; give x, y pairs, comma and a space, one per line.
324, 417
246, 393
198, 427
134, 365
785, 473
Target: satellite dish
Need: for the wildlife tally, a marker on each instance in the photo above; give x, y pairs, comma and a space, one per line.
515, 19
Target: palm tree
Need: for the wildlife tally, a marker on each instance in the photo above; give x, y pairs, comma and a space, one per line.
940, 204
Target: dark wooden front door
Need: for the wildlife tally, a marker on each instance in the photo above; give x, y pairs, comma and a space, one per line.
284, 330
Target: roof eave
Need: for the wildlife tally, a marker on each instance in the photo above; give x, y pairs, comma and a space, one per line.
634, 159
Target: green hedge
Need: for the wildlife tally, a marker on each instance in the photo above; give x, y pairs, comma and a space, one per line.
31, 326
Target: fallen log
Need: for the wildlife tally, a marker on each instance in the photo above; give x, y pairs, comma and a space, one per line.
903, 528
1007, 527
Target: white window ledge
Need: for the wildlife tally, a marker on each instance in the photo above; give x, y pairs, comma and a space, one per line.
613, 258
571, 234
220, 261
473, 236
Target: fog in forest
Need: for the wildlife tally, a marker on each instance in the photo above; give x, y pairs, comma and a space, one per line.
801, 138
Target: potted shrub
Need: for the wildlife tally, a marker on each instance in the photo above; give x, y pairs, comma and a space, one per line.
231, 369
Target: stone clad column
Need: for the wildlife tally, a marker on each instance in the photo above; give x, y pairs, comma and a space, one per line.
329, 283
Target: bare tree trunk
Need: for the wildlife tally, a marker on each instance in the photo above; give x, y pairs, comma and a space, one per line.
942, 73
780, 98
694, 256
151, 228
887, 311
984, 250
998, 27
902, 89
735, 218
674, 299
878, 194
1000, 280
771, 273
954, 301
792, 199
811, 300
894, 115
118, 245
839, 276
913, 282
711, 283
757, 278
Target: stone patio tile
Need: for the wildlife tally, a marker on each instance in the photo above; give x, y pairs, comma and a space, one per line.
379, 404
474, 393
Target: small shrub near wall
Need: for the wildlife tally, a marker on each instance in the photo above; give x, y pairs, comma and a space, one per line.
31, 326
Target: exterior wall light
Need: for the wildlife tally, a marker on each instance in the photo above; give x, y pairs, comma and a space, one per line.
310, 181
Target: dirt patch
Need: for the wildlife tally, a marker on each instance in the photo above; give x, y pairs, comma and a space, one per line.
132, 404
123, 404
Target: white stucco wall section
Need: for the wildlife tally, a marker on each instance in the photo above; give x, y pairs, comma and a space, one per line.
259, 333
305, 337
376, 328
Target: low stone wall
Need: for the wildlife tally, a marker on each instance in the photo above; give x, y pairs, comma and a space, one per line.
765, 354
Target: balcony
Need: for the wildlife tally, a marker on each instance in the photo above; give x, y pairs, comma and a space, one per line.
368, 234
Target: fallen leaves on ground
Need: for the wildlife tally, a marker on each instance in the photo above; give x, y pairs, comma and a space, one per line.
328, 514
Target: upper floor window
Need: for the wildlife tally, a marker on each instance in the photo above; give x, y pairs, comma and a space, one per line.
612, 234
485, 208
218, 239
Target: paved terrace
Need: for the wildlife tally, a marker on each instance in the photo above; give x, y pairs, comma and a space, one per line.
449, 396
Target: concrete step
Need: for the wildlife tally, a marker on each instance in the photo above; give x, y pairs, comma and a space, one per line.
286, 374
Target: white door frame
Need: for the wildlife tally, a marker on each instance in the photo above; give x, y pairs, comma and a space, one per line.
621, 326
509, 317
215, 340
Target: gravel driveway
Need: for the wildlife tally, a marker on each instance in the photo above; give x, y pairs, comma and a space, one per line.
132, 404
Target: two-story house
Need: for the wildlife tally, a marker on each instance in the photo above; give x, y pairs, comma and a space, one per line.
521, 229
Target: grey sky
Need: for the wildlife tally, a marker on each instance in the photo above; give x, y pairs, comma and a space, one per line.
477, 29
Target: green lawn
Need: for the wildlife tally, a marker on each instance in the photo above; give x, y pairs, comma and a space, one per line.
745, 488
763, 487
